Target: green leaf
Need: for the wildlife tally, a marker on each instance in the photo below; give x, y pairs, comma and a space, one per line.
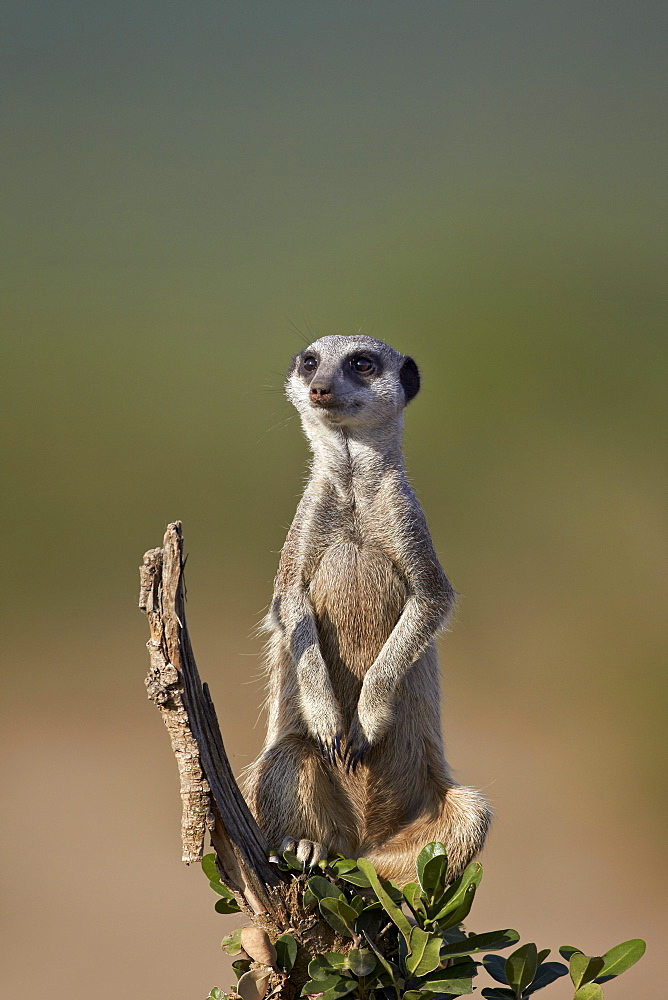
340, 990
335, 959
323, 983
590, 991
457, 980
521, 967
394, 912
392, 890
434, 875
459, 897
340, 865
339, 915
292, 861
584, 969
357, 903
454, 917
322, 888
547, 973
495, 965
418, 995
286, 952
335, 986
216, 994
355, 878
498, 994
427, 854
370, 920
222, 890
208, 864
567, 950
325, 965
621, 957
412, 894
480, 942
232, 943
424, 954
240, 966
361, 961
542, 955
227, 906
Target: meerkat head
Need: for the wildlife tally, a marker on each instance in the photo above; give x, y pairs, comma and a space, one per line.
353, 382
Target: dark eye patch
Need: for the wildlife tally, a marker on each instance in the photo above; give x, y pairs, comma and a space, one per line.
362, 365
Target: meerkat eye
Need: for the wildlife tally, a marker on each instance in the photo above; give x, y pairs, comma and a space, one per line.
363, 365
309, 364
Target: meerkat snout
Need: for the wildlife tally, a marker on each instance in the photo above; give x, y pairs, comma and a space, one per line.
320, 394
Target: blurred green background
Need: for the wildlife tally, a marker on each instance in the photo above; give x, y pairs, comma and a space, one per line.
190, 190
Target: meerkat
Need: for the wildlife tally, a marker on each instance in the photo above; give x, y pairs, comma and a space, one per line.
353, 761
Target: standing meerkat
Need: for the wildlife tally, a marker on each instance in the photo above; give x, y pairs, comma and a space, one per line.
353, 762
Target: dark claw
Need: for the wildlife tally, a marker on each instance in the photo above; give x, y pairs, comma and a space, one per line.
329, 749
355, 757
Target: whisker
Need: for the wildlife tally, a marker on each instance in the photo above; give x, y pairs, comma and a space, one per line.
281, 423
306, 323
300, 334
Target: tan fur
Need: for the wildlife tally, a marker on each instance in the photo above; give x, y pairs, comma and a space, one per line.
359, 597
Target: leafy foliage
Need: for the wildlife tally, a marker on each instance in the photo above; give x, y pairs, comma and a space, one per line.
227, 904
409, 944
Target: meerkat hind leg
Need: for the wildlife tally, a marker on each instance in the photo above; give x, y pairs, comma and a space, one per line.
298, 803
460, 825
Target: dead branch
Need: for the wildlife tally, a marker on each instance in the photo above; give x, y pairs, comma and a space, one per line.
211, 798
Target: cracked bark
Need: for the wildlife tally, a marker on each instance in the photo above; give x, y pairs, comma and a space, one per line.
212, 801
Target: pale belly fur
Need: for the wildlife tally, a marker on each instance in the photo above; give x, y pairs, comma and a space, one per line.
357, 595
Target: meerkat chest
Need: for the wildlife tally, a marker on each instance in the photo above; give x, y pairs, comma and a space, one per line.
357, 595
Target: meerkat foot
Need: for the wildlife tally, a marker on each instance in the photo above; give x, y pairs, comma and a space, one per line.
308, 852
461, 826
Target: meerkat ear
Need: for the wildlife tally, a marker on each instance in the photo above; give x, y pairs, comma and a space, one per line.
409, 376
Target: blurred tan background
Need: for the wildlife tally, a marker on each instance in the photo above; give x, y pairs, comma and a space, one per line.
186, 184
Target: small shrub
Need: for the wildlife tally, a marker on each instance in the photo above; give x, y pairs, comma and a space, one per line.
410, 943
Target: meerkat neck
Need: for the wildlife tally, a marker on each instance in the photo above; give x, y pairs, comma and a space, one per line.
357, 456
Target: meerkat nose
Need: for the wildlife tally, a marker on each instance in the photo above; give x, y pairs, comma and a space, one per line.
320, 392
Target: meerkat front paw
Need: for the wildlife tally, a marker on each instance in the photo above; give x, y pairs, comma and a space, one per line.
357, 746
308, 852
327, 731
371, 722
330, 749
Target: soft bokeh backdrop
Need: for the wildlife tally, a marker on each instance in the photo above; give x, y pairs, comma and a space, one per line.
189, 190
